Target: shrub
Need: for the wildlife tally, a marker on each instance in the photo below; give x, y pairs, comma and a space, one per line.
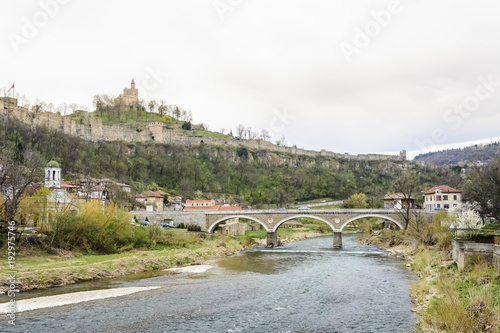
97, 228
154, 233
193, 227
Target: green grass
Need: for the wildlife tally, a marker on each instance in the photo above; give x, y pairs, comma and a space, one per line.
319, 200
336, 206
492, 226
213, 135
129, 117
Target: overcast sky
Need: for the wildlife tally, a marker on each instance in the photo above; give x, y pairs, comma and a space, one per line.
346, 76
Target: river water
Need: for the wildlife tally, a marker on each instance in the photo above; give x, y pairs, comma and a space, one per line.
305, 286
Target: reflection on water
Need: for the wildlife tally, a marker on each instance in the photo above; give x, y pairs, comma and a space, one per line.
302, 287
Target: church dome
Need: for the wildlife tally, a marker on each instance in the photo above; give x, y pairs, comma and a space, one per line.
53, 164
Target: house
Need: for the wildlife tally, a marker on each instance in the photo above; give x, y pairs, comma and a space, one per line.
442, 197
154, 200
89, 188
200, 203
398, 201
207, 205
176, 203
124, 187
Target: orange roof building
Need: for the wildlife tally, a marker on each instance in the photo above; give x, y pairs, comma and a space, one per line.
442, 197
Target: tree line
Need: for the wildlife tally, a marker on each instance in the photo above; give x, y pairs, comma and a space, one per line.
243, 175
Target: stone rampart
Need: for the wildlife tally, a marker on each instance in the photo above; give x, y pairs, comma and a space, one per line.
93, 129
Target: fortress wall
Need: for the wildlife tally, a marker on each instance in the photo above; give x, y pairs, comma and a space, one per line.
97, 131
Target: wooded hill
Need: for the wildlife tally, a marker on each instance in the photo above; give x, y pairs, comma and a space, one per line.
253, 177
474, 154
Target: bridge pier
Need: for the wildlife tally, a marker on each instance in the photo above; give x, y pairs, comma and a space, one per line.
272, 239
337, 239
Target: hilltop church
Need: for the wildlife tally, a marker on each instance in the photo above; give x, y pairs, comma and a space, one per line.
130, 96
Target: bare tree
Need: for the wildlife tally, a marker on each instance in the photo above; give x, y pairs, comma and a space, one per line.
264, 134
248, 131
23, 101
240, 129
73, 107
39, 106
17, 172
162, 107
407, 184
152, 105
283, 140
482, 188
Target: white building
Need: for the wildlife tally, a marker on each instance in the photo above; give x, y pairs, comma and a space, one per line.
52, 175
442, 197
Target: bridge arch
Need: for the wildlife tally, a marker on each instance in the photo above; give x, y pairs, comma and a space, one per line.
384, 217
299, 216
212, 227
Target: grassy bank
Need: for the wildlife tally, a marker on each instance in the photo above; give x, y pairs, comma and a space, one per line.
445, 298
37, 269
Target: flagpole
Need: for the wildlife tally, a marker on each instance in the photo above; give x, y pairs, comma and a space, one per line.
13, 89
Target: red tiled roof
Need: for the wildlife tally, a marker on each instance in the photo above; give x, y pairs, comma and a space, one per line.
229, 208
443, 188
202, 208
69, 184
216, 207
157, 194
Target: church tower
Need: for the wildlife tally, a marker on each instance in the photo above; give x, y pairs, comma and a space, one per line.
129, 97
52, 175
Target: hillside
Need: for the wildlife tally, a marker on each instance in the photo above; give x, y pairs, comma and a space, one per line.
116, 124
472, 154
239, 174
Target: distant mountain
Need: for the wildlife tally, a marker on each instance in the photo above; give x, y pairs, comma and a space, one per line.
477, 153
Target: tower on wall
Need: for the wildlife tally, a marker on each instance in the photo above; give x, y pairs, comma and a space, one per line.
130, 96
52, 175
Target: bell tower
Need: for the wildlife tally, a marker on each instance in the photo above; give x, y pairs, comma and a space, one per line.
52, 175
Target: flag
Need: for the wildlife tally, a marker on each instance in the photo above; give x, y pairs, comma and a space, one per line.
11, 87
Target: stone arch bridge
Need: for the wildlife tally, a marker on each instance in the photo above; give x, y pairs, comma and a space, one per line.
271, 220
